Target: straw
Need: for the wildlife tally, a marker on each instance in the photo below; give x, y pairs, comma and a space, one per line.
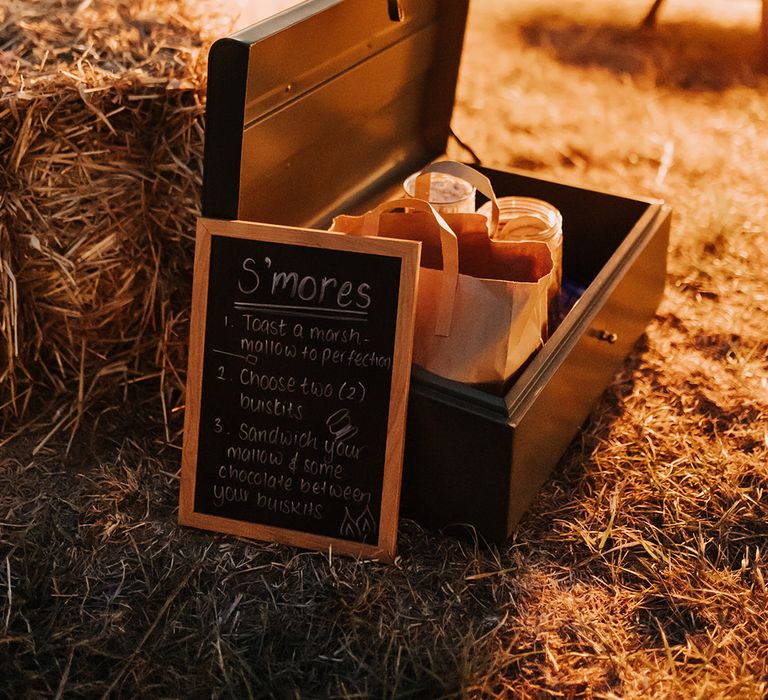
101, 141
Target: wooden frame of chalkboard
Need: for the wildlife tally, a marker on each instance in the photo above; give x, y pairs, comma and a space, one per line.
297, 386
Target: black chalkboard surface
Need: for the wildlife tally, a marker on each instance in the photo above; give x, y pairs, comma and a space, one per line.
300, 349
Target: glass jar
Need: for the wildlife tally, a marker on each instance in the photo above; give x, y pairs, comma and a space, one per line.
446, 193
529, 219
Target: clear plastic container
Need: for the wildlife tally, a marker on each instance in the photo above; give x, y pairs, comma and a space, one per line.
529, 219
446, 193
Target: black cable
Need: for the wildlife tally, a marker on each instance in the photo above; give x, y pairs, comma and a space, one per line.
465, 146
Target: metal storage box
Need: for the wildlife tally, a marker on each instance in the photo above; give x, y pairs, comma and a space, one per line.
325, 109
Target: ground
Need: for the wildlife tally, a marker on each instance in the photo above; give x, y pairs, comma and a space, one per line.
640, 570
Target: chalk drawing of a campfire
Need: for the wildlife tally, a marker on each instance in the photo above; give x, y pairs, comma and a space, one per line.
358, 528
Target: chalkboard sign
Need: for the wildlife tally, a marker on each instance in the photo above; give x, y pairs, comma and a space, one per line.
299, 362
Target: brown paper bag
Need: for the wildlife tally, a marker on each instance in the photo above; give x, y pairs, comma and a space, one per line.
481, 304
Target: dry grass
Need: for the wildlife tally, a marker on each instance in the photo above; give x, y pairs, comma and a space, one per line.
640, 571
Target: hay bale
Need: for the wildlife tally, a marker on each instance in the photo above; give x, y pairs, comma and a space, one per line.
101, 135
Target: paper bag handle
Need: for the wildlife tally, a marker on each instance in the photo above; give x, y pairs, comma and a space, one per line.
449, 246
472, 176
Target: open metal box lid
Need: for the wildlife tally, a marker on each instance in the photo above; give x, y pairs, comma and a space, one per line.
319, 107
